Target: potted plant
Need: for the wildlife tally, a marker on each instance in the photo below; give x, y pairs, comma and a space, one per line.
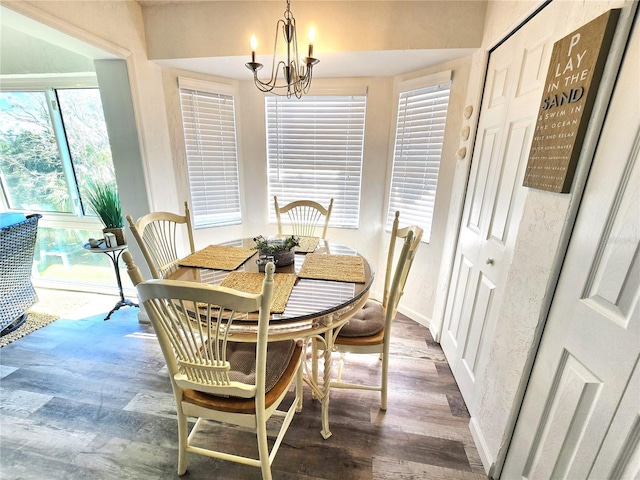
105, 202
281, 249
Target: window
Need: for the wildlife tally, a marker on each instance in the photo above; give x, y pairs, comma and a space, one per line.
53, 140
314, 152
209, 125
422, 114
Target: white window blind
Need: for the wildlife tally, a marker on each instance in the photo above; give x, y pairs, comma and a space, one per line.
422, 114
209, 125
314, 152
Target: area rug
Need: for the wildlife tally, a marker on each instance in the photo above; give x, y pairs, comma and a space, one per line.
33, 322
61, 303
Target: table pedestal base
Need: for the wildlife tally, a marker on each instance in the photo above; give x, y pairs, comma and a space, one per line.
326, 339
124, 302
320, 391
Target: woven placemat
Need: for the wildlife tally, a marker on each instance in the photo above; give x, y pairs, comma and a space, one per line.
341, 268
250, 282
218, 257
307, 244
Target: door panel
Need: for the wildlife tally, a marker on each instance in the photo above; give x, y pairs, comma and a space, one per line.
568, 409
489, 148
518, 137
462, 285
481, 308
533, 70
623, 437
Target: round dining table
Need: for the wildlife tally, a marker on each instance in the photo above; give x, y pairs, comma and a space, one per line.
315, 310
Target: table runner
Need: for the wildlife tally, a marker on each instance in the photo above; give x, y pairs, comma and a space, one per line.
218, 257
250, 282
341, 268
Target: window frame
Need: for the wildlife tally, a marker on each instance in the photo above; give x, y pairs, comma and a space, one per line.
414, 85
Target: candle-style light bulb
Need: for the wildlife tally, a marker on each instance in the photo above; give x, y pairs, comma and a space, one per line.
312, 36
254, 45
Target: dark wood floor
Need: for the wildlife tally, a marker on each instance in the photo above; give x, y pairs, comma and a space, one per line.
88, 399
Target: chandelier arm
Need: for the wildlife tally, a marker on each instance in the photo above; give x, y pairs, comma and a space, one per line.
274, 67
272, 83
309, 77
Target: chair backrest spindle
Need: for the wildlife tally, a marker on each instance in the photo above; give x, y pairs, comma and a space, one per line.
402, 268
193, 321
304, 216
157, 237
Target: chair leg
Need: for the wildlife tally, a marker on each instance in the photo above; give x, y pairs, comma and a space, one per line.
340, 367
385, 376
182, 443
299, 386
263, 450
314, 361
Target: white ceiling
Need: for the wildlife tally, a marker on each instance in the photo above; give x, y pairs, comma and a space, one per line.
9, 18
332, 65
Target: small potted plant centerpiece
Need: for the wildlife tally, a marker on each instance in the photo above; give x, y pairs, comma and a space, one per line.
105, 202
281, 249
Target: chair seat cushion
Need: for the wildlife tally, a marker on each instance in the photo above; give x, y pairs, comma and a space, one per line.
11, 218
248, 405
242, 358
368, 321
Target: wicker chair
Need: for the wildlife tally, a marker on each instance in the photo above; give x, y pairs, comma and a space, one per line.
17, 243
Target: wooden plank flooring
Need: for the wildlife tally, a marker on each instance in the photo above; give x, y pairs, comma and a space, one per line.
88, 399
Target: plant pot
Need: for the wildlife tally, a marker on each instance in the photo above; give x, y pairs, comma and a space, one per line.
281, 258
118, 232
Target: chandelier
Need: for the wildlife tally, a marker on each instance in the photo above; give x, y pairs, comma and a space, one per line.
296, 71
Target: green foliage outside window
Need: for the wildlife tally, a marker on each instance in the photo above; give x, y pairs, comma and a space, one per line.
32, 171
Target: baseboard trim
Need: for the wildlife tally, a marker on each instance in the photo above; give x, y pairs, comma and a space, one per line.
416, 316
435, 333
143, 317
481, 445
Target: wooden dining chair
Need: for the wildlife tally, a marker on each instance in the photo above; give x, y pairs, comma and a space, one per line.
157, 236
215, 378
304, 216
369, 330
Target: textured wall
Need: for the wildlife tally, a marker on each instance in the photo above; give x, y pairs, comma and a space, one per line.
210, 29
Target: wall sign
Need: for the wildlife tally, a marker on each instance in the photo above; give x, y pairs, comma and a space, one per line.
575, 70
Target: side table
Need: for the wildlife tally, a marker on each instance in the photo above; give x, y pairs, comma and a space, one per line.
114, 254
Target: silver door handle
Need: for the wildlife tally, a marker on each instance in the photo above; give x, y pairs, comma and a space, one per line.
489, 261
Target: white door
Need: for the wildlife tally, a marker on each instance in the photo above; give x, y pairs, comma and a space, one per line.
515, 80
581, 413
